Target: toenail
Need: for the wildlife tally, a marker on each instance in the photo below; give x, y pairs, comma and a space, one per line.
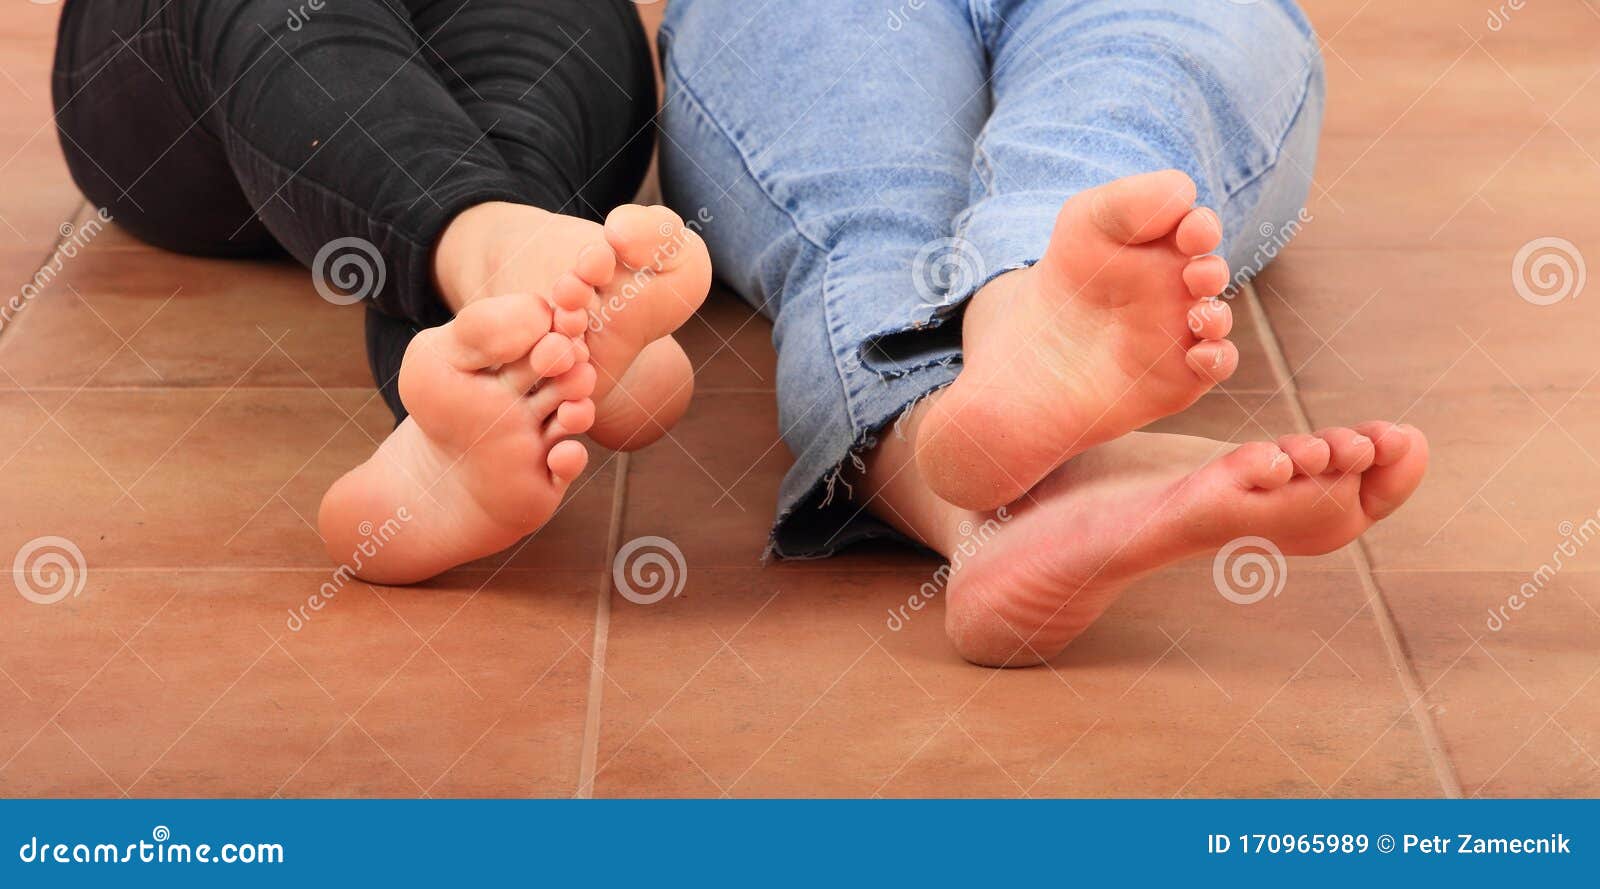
1360, 440
1278, 459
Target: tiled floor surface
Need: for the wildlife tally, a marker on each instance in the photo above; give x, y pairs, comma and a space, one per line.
177, 419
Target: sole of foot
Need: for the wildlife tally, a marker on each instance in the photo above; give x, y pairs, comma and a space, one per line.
1063, 554
640, 277
485, 456
1113, 328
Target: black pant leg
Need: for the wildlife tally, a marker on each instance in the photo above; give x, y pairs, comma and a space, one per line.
254, 122
565, 90
131, 142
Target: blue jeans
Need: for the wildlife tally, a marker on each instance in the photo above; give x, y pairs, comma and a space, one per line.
864, 166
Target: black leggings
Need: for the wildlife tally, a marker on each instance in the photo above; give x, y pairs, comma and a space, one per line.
242, 127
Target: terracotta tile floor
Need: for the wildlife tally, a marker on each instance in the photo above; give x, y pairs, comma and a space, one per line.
178, 418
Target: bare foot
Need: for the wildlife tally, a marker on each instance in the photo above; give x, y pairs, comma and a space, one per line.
1106, 333
643, 274
485, 456
1034, 575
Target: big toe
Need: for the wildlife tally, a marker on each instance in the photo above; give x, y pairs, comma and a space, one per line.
1387, 486
672, 267
1138, 209
644, 237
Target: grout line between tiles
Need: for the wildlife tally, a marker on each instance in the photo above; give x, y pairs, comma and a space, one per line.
1432, 741
589, 754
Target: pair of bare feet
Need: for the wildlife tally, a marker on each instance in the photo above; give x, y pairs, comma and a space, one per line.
563, 327
1111, 330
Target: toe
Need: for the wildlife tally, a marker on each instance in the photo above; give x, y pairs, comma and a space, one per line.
1260, 465
596, 265
1199, 232
574, 385
1350, 451
1206, 276
644, 237
1309, 453
566, 460
572, 418
1137, 209
1210, 319
552, 356
1390, 441
571, 322
1385, 488
571, 293
1213, 360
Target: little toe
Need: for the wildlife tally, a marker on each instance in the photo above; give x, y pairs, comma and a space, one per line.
566, 461
1199, 232
1350, 450
1206, 275
1213, 360
1210, 319
1390, 440
1385, 488
1309, 453
1261, 465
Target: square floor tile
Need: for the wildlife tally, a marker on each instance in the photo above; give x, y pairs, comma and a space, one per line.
174, 683
1508, 662
756, 684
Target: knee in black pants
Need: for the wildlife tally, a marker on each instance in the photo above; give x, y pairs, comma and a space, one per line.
134, 148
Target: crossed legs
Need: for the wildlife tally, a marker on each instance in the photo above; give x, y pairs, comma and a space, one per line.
473, 171
1111, 163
